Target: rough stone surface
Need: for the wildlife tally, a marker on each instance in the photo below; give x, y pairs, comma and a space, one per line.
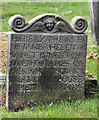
90, 84
2, 79
94, 10
45, 67
90, 87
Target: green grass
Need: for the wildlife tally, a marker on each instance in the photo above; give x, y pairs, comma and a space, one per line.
91, 64
86, 108
31, 10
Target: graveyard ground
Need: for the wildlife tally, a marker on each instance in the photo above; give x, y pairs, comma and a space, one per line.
86, 108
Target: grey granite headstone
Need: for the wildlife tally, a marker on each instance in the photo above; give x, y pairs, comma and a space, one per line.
94, 16
46, 60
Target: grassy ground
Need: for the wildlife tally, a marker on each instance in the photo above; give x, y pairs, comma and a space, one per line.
91, 62
86, 108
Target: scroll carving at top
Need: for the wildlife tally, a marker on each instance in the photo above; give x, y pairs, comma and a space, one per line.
48, 23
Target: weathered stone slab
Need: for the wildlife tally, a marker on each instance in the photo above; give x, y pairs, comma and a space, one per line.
94, 16
45, 66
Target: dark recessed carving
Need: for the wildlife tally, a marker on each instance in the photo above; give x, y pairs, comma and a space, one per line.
49, 24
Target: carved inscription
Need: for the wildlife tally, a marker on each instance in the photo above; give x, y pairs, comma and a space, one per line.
33, 58
45, 67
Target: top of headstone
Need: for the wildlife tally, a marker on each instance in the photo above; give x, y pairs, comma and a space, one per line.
48, 23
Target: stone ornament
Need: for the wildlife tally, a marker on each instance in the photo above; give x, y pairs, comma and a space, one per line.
48, 23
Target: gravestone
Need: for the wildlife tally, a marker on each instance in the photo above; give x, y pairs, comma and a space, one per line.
46, 60
94, 16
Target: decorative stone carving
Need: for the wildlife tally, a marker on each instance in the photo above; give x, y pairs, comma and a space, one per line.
48, 23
